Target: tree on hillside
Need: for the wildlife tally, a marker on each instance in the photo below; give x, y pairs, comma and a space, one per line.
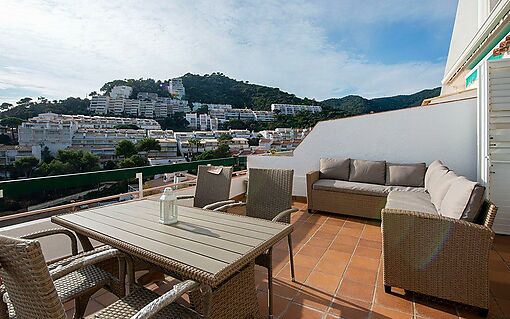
26, 165
12, 123
5, 139
46, 156
222, 151
5, 106
126, 127
125, 148
148, 144
194, 142
133, 161
93, 93
224, 138
204, 109
80, 160
176, 122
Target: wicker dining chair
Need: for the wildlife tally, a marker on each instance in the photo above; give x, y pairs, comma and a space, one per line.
213, 187
81, 284
30, 288
269, 196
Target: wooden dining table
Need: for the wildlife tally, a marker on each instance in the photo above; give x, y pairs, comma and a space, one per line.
215, 249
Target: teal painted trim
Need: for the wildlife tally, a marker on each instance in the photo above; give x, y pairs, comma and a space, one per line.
14, 188
495, 57
490, 46
471, 78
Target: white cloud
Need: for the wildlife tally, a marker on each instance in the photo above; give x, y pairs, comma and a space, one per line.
60, 48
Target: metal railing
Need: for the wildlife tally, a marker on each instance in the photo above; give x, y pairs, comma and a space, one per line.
19, 187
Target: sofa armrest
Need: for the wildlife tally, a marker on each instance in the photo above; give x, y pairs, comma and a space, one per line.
436, 255
311, 177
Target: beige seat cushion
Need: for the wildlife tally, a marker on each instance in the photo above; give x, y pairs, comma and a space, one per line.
412, 201
335, 168
431, 169
361, 188
457, 198
439, 187
368, 171
405, 174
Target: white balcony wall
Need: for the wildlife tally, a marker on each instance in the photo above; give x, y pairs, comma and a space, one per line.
445, 131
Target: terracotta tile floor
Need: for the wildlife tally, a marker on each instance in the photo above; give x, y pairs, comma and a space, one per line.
339, 275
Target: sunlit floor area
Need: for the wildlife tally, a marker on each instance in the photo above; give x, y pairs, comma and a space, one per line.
339, 275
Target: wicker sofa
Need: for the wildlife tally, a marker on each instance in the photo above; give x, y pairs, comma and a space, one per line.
359, 187
438, 243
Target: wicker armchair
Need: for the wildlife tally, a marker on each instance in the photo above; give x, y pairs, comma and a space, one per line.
213, 188
269, 196
438, 256
31, 290
81, 284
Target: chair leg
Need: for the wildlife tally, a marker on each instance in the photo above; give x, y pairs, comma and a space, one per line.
270, 281
483, 312
80, 305
291, 256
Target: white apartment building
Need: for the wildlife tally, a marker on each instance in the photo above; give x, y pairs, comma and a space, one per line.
160, 134
181, 136
121, 91
116, 105
10, 153
292, 109
160, 109
98, 122
240, 114
176, 88
99, 104
168, 148
104, 138
212, 106
240, 133
147, 96
177, 106
147, 108
263, 116
205, 122
132, 107
55, 136
192, 120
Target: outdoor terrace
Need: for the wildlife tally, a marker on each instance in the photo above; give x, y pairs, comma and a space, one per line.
337, 261
339, 275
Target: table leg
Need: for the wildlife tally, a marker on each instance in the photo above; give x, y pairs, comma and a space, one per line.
270, 281
85, 242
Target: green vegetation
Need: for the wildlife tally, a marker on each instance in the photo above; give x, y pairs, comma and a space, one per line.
148, 144
176, 122
26, 107
133, 161
126, 127
223, 138
68, 162
125, 148
218, 88
221, 152
12, 123
26, 165
194, 142
140, 85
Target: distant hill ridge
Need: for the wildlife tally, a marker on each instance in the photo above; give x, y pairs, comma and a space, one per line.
220, 89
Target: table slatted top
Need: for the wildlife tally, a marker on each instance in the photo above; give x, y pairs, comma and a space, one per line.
203, 245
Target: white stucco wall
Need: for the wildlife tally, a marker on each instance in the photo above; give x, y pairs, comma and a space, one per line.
444, 131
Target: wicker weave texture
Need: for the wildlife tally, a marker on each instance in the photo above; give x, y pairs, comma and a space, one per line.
236, 298
437, 256
269, 192
134, 302
27, 279
212, 188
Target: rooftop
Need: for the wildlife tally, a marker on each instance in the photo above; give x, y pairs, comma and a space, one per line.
339, 275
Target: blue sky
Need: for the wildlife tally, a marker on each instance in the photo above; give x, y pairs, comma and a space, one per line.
318, 49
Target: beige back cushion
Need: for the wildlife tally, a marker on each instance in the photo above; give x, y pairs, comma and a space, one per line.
335, 168
439, 185
457, 198
405, 174
368, 171
430, 171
